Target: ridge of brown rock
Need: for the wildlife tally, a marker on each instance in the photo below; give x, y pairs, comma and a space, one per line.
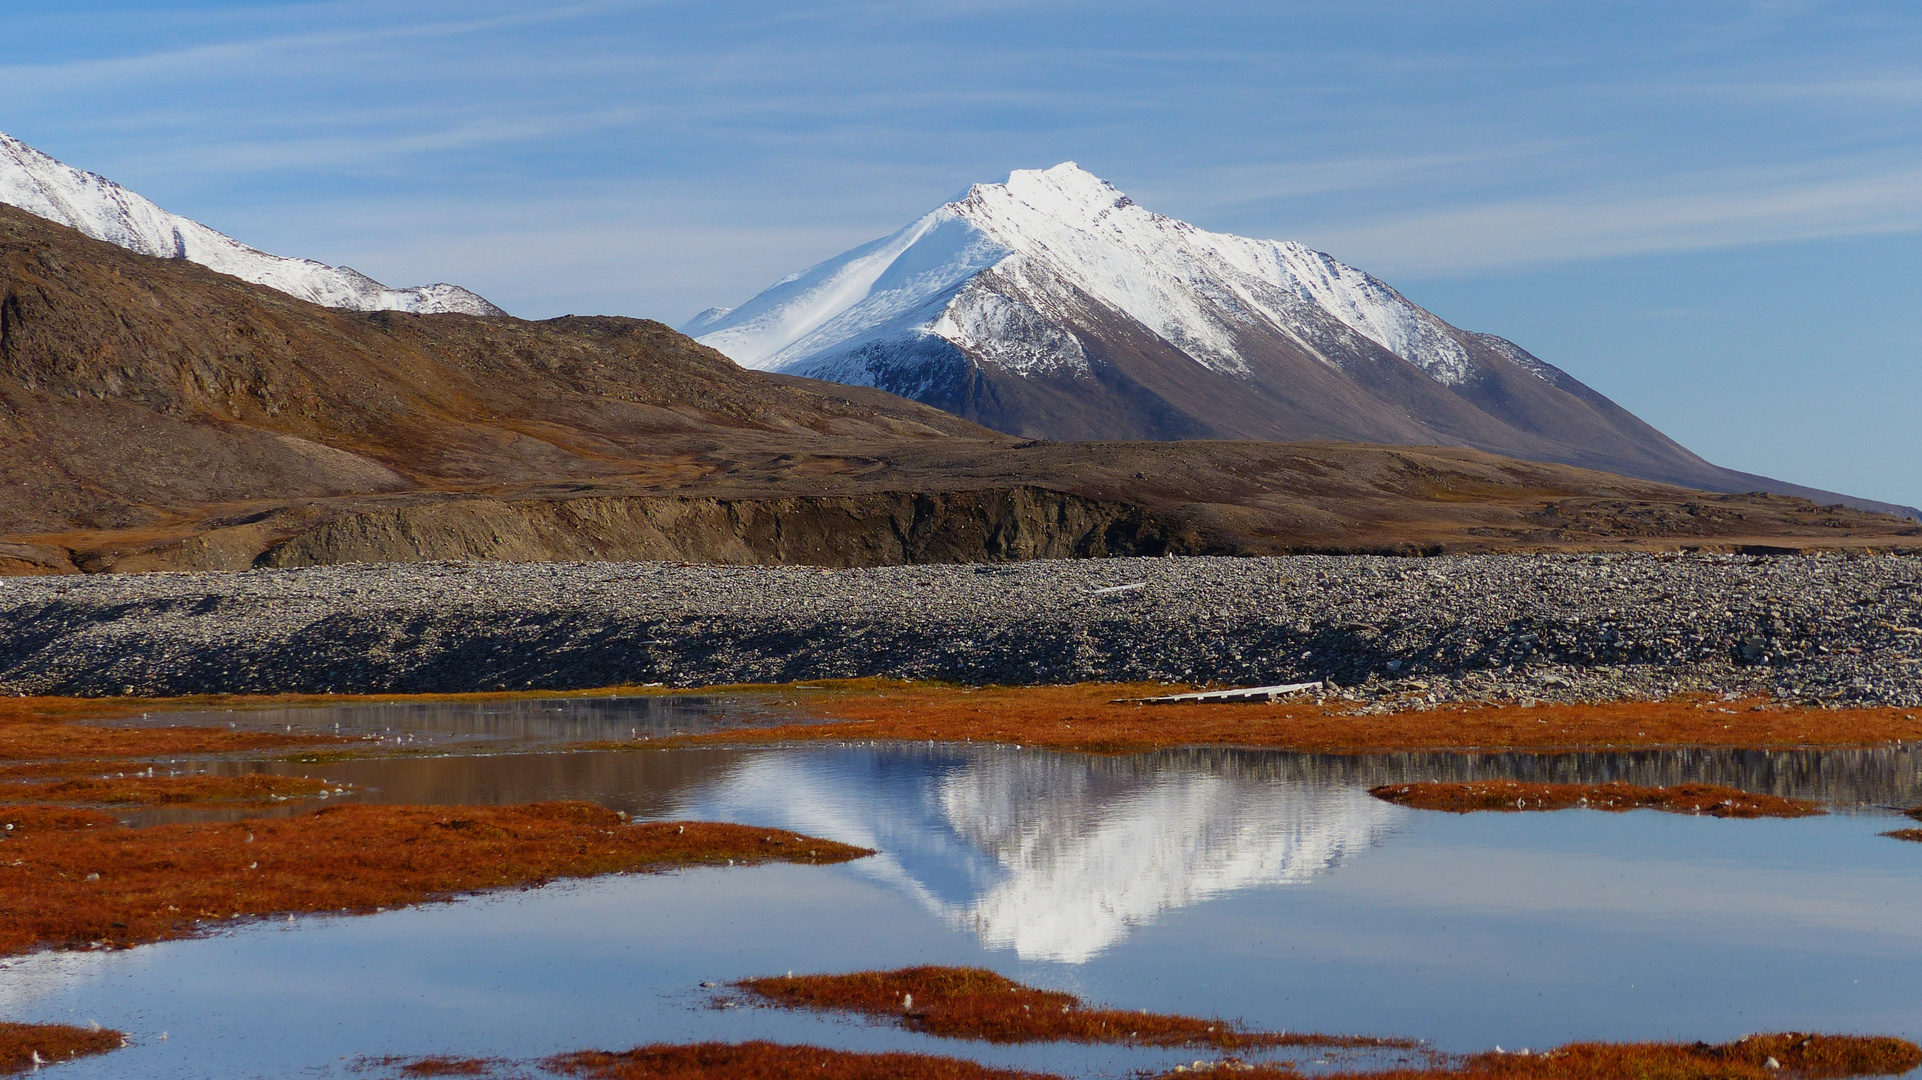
158, 415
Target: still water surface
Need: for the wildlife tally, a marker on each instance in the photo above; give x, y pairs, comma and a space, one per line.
1261, 886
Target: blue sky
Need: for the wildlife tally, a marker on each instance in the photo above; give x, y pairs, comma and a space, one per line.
1709, 211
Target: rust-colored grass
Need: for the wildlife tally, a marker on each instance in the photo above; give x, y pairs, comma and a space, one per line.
1796, 1055
974, 1003
770, 1061
1906, 834
163, 790
25, 1047
1513, 796
434, 1066
1088, 717
45, 729
69, 878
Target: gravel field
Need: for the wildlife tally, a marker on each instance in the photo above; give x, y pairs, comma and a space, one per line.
1833, 629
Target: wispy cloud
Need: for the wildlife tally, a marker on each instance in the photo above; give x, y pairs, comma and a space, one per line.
217, 60
1687, 214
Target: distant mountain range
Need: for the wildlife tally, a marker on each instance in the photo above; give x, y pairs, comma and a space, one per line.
155, 414
1053, 307
106, 211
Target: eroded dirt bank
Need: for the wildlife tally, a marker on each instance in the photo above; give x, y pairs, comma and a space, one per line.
1808, 629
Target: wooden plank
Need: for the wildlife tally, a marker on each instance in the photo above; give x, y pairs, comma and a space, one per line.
1245, 693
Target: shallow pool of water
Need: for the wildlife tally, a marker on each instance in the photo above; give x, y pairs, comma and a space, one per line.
1260, 886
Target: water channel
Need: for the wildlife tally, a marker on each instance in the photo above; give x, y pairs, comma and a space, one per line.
1265, 887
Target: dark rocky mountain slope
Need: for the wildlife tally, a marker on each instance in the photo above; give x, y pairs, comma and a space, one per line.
157, 415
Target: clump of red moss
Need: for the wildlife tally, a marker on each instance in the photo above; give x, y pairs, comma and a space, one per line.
165, 790
974, 1003
1755, 1057
52, 1044
1906, 834
70, 878
433, 1066
770, 1061
1514, 795
42, 729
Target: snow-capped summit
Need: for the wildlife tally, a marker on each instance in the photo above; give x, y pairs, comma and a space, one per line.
1051, 233
1053, 306
106, 211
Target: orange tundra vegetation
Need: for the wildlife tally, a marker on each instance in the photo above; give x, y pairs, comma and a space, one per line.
139, 790
1786, 1056
1513, 796
42, 729
1755, 1057
1088, 716
1909, 834
71, 878
25, 1047
770, 1061
432, 1066
974, 1003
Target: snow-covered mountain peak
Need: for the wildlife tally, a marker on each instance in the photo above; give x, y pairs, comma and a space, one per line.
1066, 192
102, 209
1007, 271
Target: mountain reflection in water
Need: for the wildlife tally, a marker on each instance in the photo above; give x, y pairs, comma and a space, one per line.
1055, 856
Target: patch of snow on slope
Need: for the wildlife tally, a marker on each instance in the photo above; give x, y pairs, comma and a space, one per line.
996, 325
104, 210
1523, 359
1052, 236
897, 283
711, 317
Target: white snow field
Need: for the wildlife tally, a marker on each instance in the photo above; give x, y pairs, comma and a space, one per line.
1000, 271
106, 211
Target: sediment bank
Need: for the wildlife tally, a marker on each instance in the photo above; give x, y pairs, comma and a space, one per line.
75, 878
1814, 629
1100, 718
975, 1003
1512, 796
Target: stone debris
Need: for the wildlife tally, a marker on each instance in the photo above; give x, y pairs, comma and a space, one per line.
1383, 633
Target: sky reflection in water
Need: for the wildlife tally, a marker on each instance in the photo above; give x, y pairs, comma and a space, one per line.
1267, 887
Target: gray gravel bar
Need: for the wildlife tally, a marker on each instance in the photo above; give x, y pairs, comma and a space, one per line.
1829, 629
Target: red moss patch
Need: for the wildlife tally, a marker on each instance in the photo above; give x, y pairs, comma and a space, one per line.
164, 790
1906, 834
1513, 796
974, 1003
770, 1061
1808, 1057
21, 822
41, 729
53, 1043
1088, 717
431, 1066
67, 879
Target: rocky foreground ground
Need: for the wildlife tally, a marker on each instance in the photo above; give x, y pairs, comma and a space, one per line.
1829, 629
